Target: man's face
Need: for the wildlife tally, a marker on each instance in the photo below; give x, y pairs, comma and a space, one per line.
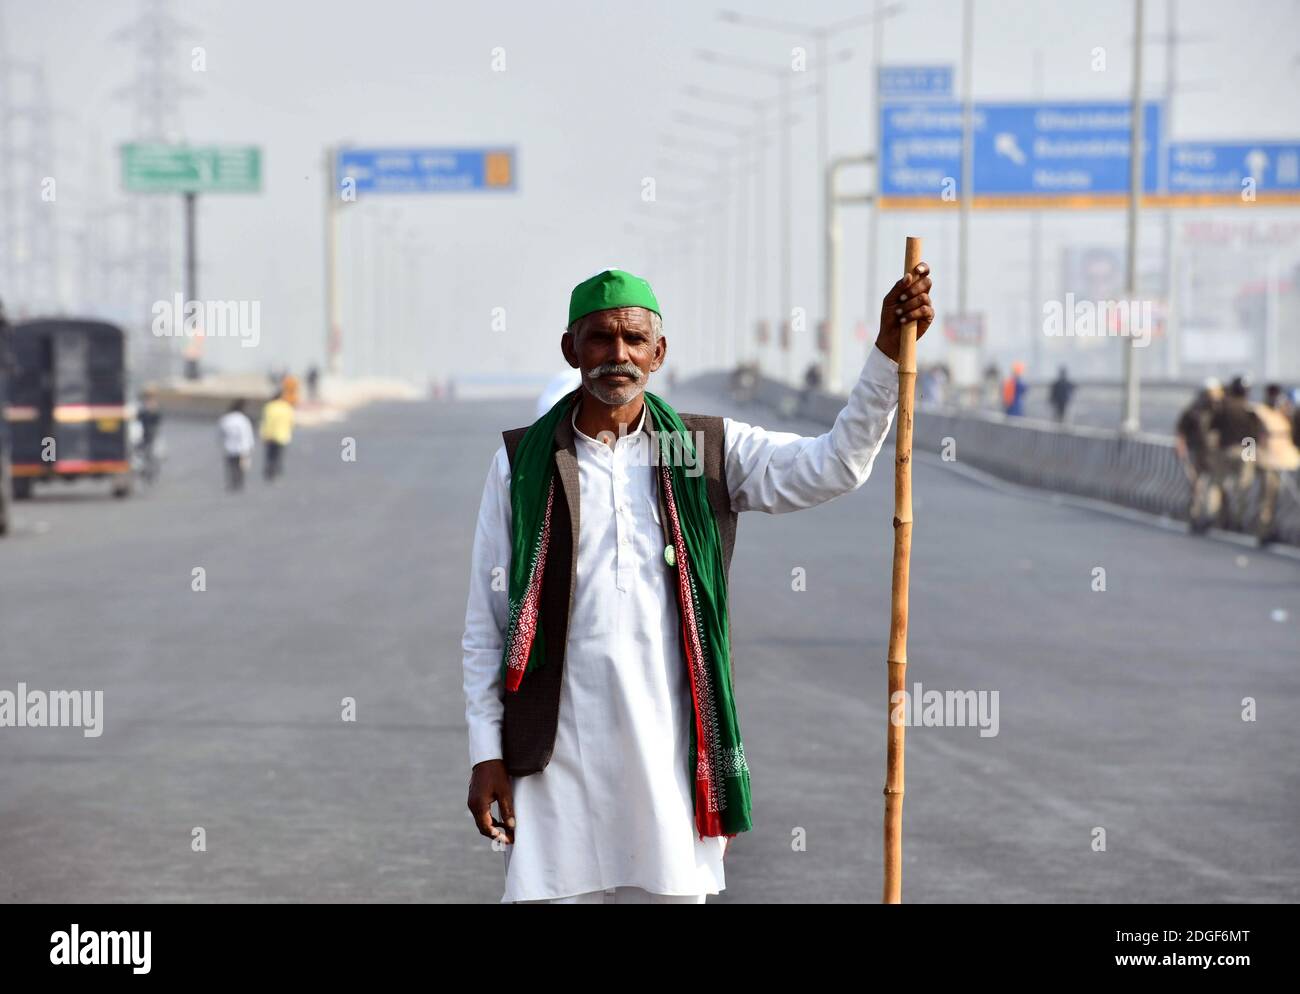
616, 351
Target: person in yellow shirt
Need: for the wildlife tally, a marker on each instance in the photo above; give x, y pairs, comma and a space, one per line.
277, 431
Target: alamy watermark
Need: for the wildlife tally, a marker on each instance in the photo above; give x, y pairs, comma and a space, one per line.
1073, 318
102, 948
946, 709
178, 317
669, 448
25, 708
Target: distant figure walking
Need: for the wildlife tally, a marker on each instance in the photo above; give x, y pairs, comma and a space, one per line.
236, 434
1014, 390
150, 417
933, 383
1062, 392
812, 383
277, 432
744, 381
1277, 455
1295, 415
1197, 447
992, 386
289, 390
313, 384
1234, 421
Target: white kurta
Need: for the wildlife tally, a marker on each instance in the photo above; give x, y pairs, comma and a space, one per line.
613, 808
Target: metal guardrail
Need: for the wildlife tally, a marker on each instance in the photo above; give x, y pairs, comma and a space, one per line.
1141, 470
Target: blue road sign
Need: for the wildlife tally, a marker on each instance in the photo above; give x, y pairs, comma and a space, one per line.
1049, 154
426, 170
1219, 170
897, 82
1070, 149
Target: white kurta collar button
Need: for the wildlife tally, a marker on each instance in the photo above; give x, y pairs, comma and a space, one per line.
631, 438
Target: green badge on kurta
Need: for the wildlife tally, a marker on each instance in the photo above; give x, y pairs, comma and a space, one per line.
611, 288
670, 555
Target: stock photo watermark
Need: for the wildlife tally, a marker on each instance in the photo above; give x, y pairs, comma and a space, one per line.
101, 948
946, 709
1083, 318
26, 708
666, 448
178, 317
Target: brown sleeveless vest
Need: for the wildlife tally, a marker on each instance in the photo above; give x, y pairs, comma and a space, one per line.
533, 711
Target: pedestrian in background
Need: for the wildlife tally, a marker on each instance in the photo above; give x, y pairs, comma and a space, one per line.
1062, 392
812, 383
1234, 421
1277, 455
1295, 415
277, 432
236, 434
992, 385
1014, 390
939, 383
149, 415
289, 390
1197, 447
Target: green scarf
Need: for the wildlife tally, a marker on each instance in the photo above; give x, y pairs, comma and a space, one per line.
719, 770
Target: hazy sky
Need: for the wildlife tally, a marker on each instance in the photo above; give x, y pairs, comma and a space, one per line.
590, 89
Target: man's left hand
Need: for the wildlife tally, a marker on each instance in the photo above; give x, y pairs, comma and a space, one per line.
909, 300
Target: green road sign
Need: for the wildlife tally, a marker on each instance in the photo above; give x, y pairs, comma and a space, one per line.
192, 168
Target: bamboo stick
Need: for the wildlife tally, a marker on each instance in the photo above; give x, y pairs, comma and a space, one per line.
897, 659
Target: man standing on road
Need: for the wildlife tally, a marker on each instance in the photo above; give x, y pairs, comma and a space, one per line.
1277, 455
236, 434
598, 681
1234, 422
1014, 390
1196, 446
150, 417
1295, 416
277, 432
1061, 394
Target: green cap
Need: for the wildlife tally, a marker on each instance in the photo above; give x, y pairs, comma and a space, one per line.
611, 288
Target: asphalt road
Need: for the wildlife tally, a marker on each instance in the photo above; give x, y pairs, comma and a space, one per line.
1118, 710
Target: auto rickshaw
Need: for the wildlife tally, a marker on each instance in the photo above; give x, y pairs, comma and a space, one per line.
66, 410
6, 477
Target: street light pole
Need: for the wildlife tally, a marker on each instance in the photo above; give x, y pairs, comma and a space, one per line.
759, 135
821, 36
730, 268
333, 331
784, 96
739, 319
787, 303
967, 157
1035, 254
873, 222
834, 244
760, 219
1167, 123
1131, 421
829, 288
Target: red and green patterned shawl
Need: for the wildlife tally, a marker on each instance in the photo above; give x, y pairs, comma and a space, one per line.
719, 771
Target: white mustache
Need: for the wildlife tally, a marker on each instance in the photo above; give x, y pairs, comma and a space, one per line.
615, 368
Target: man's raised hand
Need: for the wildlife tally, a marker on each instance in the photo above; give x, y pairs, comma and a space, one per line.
908, 300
